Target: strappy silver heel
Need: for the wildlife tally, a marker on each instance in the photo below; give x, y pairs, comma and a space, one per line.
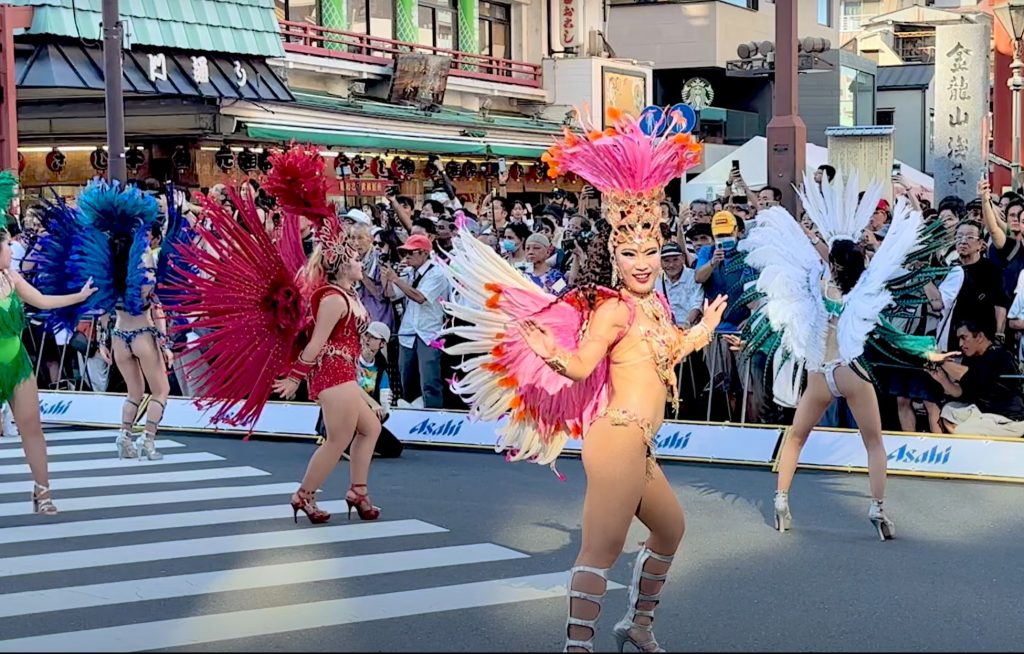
125, 446
885, 527
146, 443
146, 446
586, 645
622, 629
42, 505
783, 517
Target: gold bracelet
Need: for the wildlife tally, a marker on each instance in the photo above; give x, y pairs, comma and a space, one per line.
702, 339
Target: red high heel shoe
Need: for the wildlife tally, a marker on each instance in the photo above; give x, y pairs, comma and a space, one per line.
361, 503
305, 501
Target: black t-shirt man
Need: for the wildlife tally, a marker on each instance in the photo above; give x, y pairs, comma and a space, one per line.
984, 385
981, 292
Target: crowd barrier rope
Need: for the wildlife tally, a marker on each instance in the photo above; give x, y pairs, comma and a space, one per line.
923, 455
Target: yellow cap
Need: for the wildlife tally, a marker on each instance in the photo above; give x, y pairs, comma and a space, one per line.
723, 223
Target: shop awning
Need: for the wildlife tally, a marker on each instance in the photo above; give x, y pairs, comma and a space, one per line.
363, 141
56, 65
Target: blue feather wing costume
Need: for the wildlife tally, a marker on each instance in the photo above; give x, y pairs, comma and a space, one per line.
79, 245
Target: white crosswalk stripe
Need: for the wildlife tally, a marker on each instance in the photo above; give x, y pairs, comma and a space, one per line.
113, 463
241, 551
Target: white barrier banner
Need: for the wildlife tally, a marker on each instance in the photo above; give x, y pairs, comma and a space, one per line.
277, 418
956, 456
81, 408
102, 409
675, 440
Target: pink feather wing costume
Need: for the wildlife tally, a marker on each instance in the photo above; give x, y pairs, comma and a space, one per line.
504, 376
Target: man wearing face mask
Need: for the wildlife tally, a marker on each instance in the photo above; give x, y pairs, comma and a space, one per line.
719, 267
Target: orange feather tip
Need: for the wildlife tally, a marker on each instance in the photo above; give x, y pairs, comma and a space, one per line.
515, 403
494, 301
614, 114
498, 351
495, 368
491, 287
508, 382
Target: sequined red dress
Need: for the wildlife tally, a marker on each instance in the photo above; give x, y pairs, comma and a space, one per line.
336, 363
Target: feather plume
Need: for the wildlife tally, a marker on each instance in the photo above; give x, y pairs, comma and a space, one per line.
247, 296
623, 159
835, 209
298, 183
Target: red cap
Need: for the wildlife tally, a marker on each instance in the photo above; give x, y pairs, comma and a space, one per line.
417, 242
883, 205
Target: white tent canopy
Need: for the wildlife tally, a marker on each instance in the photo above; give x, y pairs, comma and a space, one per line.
753, 158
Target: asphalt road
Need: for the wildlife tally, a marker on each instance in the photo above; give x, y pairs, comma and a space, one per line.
199, 553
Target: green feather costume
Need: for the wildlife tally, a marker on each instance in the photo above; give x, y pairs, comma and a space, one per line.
15, 365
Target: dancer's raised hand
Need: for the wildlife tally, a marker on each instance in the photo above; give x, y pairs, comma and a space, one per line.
713, 311
538, 337
939, 357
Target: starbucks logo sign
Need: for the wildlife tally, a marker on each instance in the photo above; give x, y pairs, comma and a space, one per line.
697, 93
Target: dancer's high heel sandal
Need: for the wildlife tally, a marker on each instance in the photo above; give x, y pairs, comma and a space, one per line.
305, 501
783, 517
361, 503
571, 622
146, 443
125, 445
41, 502
641, 619
876, 514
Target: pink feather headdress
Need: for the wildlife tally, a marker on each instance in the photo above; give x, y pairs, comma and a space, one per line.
629, 167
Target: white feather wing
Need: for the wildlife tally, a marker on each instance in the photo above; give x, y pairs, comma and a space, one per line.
790, 275
870, 295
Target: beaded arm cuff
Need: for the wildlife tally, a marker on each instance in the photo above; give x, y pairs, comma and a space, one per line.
559, 361
300, 369
698, 336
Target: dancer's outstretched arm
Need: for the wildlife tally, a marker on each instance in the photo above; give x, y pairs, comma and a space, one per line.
31, 295
610, 319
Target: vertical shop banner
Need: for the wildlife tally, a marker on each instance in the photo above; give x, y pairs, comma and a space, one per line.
569, 20
963, 64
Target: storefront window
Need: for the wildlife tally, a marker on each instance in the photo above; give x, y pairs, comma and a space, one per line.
299, 11
381, 13
437, 24
856, 97
495, 30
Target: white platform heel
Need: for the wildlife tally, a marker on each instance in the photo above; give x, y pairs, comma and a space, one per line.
622, 630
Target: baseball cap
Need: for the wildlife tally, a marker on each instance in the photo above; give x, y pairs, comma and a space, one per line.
883, 205
700, 229
671, 250
379, 330
358, 216
723, 223
417, 242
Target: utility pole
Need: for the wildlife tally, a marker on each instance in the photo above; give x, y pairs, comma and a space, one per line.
787, 134
112, 71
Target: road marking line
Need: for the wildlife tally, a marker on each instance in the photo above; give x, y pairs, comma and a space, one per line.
112, 463
181, 632
88, 448
41, 532
180, 476
182, 549
54, 436
248, 578
67, 505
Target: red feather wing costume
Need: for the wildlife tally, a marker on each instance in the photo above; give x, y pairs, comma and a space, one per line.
247, 294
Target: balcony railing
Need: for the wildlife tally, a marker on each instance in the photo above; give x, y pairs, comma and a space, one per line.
304, 38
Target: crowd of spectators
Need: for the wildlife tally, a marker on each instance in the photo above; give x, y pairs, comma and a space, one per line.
976, 306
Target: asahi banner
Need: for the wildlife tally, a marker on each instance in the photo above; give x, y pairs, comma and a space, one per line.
962, 67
